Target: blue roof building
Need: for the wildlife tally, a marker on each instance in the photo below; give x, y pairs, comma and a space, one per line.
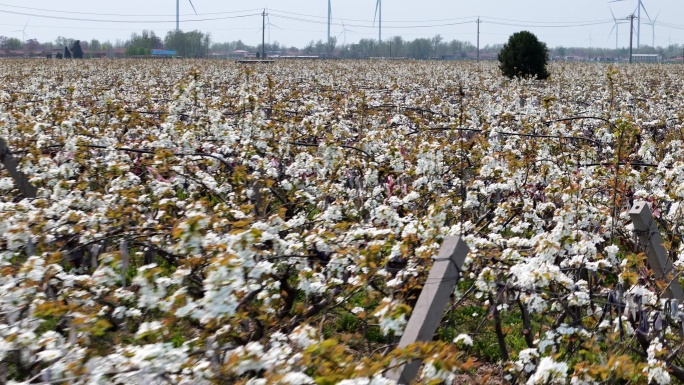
163, 53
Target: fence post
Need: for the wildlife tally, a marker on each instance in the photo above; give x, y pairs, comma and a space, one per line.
12, 166
649, 237
429, 310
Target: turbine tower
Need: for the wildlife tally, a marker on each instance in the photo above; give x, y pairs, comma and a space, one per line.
178, 13
615, 28
640, 6
378, 16
329, 22
653, 23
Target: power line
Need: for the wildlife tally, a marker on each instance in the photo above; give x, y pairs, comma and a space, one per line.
670, 25
125, 14
369, 26
467, 20
444, 22
124, 21
513, 22
370, 21
582, 22
550, 26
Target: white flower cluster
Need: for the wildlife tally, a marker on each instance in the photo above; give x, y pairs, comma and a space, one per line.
251, 201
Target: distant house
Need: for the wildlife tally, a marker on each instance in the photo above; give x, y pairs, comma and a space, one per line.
163, 53
239, 54
116, 53
645, 58
94, 54
219, 55
17, 53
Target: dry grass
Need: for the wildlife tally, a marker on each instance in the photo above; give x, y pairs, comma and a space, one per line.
488, 374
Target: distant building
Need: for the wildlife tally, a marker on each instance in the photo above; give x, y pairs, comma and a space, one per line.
116, 53
94, 54
239, 54
18, 53
645, 58
163, 53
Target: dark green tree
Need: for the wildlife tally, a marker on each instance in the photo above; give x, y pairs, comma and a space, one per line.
143, 44
188, 44
561, 51
421, 48
12, 43
76, 50
524, 55
67, 53
95, 45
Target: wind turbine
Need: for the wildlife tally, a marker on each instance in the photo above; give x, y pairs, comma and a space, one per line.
23, 31
378, 15
653, 23
269, 24
178, 13
344, 31
615, 28
590, 39
640, 6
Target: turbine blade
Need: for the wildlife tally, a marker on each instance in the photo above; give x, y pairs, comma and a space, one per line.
611, 31
377, 7
193, 6
612, 14
644, 8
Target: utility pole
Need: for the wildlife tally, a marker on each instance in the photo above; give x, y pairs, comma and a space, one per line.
631, 35
478, 38
263, 35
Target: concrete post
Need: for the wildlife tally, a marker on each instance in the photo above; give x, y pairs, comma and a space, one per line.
432, 301
649, 237
20, 179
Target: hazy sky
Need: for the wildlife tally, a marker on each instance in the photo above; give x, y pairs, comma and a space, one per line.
566, 23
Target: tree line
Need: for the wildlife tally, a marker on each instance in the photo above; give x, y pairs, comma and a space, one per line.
199, 44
